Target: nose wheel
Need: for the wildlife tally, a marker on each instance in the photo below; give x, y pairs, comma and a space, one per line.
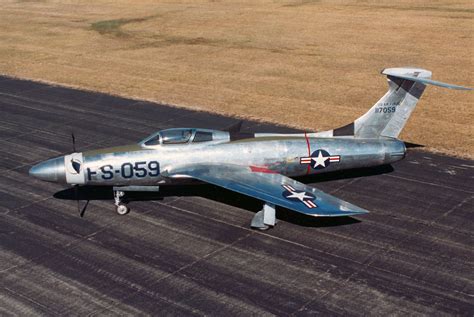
122, 208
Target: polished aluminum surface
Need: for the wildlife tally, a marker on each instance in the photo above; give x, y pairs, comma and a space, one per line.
282, 156
52, 170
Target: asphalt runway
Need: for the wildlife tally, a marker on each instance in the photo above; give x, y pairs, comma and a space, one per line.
189, 250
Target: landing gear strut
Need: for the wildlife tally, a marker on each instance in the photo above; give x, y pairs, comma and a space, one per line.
119, 192
265, 218
122, 208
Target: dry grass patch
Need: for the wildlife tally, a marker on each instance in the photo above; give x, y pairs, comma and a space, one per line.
310, 64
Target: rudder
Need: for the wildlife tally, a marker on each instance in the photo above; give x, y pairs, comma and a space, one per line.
390, 114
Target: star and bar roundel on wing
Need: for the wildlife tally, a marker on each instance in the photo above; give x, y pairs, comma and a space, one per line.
320, 159
293, 194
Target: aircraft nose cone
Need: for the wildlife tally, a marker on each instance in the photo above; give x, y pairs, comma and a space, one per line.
52, 170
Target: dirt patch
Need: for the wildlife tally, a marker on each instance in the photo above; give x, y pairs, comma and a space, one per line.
307, 64
114, 27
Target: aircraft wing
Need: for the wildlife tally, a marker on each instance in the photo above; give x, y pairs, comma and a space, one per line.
269, 187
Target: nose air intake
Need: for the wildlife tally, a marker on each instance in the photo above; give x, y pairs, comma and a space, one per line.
52, 170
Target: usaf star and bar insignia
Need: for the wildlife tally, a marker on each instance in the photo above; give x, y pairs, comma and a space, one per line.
292, 194
320, 159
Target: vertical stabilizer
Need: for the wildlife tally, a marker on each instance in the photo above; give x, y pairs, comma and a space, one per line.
390, 114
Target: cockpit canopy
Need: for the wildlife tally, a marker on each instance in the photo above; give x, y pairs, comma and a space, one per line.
183, 135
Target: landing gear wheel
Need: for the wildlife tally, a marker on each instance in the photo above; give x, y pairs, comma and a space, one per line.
122, 209
264, 228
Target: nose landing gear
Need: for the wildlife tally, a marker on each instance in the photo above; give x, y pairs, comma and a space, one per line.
122, 208
119, 192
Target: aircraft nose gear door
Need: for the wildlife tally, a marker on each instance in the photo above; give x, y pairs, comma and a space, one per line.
74, 171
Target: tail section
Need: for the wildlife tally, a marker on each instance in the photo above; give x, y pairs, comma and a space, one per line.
390, 114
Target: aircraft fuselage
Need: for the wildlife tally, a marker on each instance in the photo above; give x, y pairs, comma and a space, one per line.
290, 156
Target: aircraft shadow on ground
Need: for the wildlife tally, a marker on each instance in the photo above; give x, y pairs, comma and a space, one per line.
91, 193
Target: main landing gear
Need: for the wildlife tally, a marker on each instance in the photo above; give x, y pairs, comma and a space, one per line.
265, 218
122, 208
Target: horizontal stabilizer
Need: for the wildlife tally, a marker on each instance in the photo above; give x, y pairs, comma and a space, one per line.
394, 73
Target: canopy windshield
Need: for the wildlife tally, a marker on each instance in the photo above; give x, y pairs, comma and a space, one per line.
178, 136
174, 136
153, 140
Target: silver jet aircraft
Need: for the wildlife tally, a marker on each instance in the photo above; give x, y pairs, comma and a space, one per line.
259, 165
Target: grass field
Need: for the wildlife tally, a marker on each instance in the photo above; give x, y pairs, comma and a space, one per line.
309, 64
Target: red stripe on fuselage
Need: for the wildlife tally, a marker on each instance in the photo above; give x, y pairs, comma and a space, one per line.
262, 169
309, 151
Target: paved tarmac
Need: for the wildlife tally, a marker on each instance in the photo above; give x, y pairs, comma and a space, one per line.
189, 250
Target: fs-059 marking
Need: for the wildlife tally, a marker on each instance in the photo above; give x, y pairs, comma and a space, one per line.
127, 170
